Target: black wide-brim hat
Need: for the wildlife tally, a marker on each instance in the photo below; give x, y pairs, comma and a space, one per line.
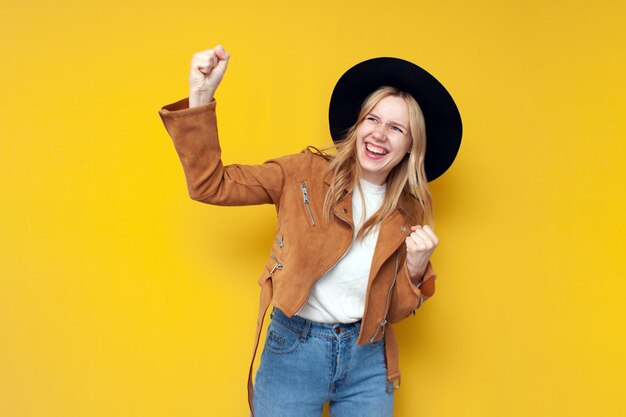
442, 117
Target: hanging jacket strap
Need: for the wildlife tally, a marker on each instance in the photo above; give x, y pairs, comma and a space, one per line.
264, 303
391, 355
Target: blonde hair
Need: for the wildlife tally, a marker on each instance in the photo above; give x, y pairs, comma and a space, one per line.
406, 182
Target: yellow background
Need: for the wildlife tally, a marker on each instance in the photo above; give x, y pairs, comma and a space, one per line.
119, 296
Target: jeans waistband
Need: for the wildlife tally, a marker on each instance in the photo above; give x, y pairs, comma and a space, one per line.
306, 327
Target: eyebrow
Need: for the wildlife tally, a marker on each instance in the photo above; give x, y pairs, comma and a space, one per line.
393, 122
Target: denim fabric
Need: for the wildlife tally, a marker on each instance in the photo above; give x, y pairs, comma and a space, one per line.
306, 364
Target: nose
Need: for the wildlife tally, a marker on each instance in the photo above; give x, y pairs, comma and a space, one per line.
379, 132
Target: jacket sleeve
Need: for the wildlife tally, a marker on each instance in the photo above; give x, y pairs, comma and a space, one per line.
195, 137
408, 296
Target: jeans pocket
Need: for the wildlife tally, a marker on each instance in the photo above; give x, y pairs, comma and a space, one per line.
376, 350
281, 339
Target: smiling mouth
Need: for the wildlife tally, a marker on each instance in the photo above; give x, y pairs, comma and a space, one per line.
375, 149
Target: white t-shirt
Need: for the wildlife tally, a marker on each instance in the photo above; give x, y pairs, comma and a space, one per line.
339, 295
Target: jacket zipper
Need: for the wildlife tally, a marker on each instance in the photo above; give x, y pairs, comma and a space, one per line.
383, 323
281, 241
277, 266
305, 196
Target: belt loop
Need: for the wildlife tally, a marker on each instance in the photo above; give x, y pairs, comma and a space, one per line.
305, 330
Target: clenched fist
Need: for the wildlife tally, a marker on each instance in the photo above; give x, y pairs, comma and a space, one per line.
207, 70
420, 244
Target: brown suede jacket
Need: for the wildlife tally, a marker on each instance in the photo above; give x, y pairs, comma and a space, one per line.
305, 245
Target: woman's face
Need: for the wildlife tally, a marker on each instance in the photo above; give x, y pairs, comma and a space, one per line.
383, 138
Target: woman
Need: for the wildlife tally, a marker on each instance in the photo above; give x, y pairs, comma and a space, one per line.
354, 232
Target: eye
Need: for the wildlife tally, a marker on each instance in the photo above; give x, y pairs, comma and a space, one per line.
371, 119
397, 129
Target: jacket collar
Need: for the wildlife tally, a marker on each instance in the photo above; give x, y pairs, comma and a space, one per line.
393, 230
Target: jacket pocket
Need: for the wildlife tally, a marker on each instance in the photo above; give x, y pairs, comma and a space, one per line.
275, 264
271, 267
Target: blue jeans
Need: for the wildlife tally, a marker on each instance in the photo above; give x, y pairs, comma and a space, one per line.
306, 364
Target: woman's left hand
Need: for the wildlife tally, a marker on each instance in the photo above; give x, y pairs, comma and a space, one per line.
420, 244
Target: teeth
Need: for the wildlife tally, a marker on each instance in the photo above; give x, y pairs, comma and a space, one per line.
374, 149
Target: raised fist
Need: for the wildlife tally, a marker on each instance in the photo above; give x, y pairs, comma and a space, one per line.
420, 244
207, 70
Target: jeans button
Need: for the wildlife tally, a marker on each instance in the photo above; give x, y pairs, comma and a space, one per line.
337, 330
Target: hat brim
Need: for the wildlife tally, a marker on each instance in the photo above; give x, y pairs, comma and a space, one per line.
443, 120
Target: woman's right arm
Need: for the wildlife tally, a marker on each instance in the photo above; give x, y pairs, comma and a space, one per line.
192, 125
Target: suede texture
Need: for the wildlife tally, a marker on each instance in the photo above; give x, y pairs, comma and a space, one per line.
305, 245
